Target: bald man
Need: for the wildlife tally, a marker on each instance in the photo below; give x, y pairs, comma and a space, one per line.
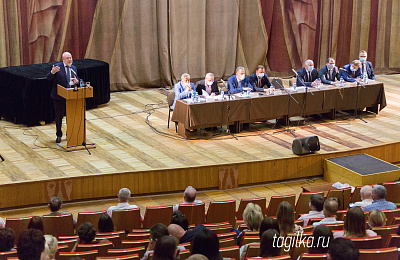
64, 74
182, 235
366, 197
189, 197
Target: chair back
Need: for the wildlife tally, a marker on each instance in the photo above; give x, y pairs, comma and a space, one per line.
184, 254
306, 256
356, 196
101, 248
18, 225
300, 247
8, 254
171, 98
70, 243
121, 234
156, 215
396, 221
127, 219
232, 235
120, 257
186, 245
276, 200
346, 197
114, 239
227, 242
291, 82
253, 250
262, 202
340, 214
194, 213
273, 81
367, 242
313, 220
134, 243
230, 252
282, 257
220, 211
338, 226
63, 248
381, 253
391, 214
137, 236
384, 232
58, 225
127, 251
92, 217
87, 255
338, 193
302, 204
249, 239
393, 240
393, 191
308, 228
221, 229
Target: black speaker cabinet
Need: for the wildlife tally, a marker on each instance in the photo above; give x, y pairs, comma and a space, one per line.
305, 145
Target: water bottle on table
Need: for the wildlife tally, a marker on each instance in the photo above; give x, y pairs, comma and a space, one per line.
272, 90
248, 91
294, 86
341, 81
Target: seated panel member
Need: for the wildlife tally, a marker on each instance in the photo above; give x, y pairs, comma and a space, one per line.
259, 78
237, 82
308, 74
183, 89
329, 74
208, 84
366, 65
351, 72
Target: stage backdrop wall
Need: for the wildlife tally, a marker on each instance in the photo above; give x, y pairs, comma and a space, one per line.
150, 43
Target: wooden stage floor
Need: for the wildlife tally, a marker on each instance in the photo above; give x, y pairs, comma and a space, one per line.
129, 152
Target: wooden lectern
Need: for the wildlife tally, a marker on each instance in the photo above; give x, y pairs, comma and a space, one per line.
76, 109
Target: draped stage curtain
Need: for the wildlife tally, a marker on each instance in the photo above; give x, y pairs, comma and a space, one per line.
150, 43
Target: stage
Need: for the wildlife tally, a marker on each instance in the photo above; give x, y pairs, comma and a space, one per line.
130, 153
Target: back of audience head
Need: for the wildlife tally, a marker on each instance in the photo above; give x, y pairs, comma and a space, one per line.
190, 194
197, 257
105, 223
354, 223
52, 244
366, 192
86, 233
285, 217
331, 206
252, 216
156, 232
36, 223
55, 204
206, 242
376, 218
317, 201
322, 236
166, 248
378, 192
7, 237
342, 248
124, 195
268, 223
179, 219
268, 248
30, 244
176, 230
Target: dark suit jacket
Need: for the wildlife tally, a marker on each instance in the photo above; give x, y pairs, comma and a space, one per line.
59, 78
234, 86
201, 85
303, 76
326, 77
370, 70
347, 75
264, 80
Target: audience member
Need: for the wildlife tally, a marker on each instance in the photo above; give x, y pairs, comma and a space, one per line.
366, 197
87, 235
124, 195
322, 235
166, 248
179, 219
197, 257
208, 85
354, 225
268, 248
376, 218
342, 248
331, 206
308, 74
30, 244
55, 205
189, 197
105, 224
378, 195
285, 217
252, 217
206, 242
7, 237
316, 206
36, 223
182, 235
52, 245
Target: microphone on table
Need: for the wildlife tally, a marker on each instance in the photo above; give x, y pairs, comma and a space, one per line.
295, 72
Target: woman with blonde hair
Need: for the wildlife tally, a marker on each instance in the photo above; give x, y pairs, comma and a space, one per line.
376, 218
252, 217
285, 217
354, 225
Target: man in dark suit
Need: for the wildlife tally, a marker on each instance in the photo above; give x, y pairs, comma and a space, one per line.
238, 82
208, 84
64, 74
351, 72
366, 65
308, 74
259, 78
329, 74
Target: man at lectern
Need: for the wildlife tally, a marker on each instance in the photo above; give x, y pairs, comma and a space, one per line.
64, 74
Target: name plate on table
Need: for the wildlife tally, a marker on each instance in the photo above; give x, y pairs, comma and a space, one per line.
278, 92
301, 89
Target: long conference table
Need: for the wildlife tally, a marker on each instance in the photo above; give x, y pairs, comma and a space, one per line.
262, 106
